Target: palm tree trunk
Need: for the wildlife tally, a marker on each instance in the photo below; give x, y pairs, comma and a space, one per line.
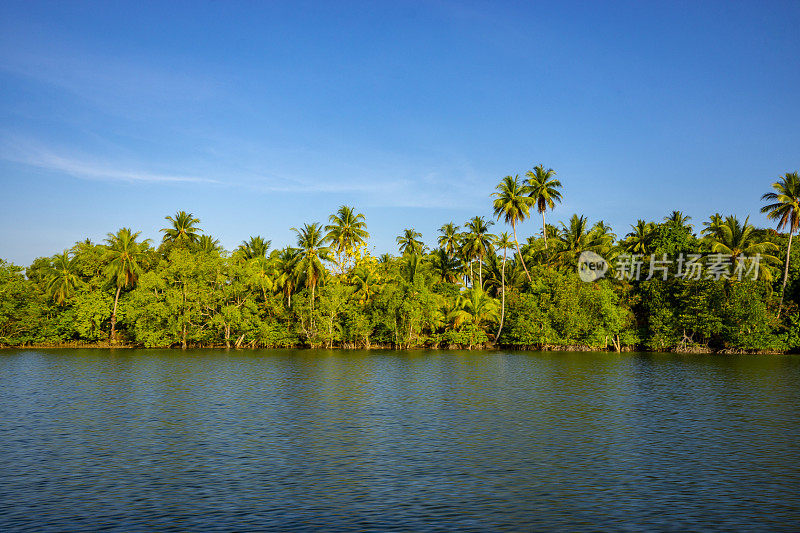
311, 320
503, 295
113, 336
521, 260
544, 230
480, 272
785, 271
471, 274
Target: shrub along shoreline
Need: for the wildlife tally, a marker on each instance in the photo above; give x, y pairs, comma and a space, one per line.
695, 349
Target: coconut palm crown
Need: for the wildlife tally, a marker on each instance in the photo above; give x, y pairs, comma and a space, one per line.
183, 228
543, 188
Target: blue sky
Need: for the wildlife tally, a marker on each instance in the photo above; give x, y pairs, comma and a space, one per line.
260, 116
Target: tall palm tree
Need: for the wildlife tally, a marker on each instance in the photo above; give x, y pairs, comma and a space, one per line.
738, 239
312, 251
477, 243
183, 228
63, 278
785, 208
124, 257
346, 231
410, 242
254, 248
503, 242
543, 188
678, 218
638, 240
512, 204
448, 240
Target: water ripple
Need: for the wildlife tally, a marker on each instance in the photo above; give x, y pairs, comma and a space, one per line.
350, 441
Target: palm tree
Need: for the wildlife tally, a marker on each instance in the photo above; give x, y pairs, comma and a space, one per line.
512, 204
445, 266
534, 252
366, 283
285, 267
736, 239
679, 219
543, 188
638, 240
255, 247
476, 243
604, 233
311, 253
262, 274
786, 210
713, 226
124, 257
63, 279
183, 228
346, 231
576, 238
477, 307
410, 266
448, 240
493, 273
208, 244
410, 242
503, 242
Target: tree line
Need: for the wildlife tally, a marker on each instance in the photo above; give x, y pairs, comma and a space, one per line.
473, 288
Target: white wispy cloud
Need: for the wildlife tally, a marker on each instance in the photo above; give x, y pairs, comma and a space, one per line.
372, 179
80, 165
86, 167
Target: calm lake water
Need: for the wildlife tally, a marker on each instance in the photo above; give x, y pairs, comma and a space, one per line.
135, 440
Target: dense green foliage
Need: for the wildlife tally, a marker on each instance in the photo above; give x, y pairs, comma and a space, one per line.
473, 289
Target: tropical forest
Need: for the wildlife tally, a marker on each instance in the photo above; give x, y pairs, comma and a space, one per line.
473, 285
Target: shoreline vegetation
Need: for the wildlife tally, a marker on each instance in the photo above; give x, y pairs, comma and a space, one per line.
693, 349
469, 288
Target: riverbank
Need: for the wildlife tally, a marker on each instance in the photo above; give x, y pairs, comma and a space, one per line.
699, 350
